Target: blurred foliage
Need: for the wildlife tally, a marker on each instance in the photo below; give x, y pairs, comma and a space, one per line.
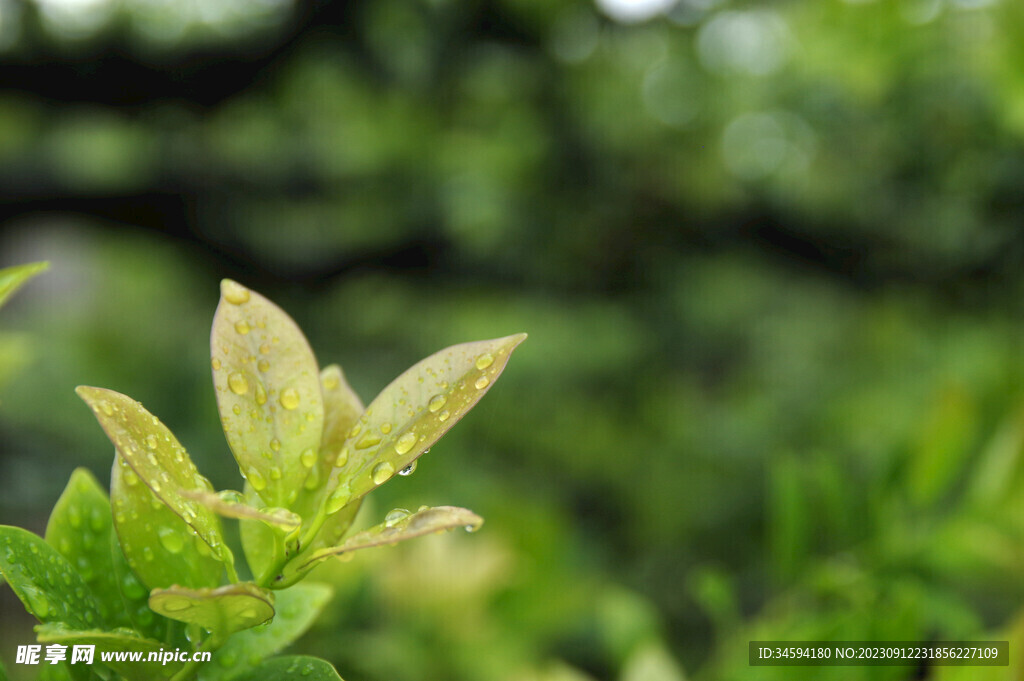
768, 254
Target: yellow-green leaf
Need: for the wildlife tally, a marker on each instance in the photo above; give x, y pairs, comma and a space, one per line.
268, 392
222, 611
297, 608
135, 595
156, 456
12, 278
229, 504
79, 528
400, 526
412, 413
43, 579
115, 641
159, 546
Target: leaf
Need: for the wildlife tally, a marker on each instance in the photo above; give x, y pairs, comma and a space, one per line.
422, 522
44, 580
412, 413
297, 608
160, 548
222, 611
229, 504
259, 542
341, 409
156, 456
12, 278
292, 668
117, 641
268, 393
79, 528
133, 595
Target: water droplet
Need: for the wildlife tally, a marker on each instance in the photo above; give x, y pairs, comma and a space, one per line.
151, 441
289, 398
255, 479
275, 473
436, 402
382, 472
338, 499
233, 292
242, 327
485, 360
132, 588
443, 416
147, 553
263, 366
482, 382
37, 601
368, 440
106, 408
248, 613
215, 363
342, 458
355, 430
74, 517
408, 470
261, 394
405, 443
171, 539
97, 521
395, 516
176, 604
275, 444
238, 384
472, 528
308, 458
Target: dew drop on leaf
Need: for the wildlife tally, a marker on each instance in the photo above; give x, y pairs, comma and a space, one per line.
485, 360
308, 458
290, 398
436, 402
242, 327
408, 470
443, 416
368, 440
405, 443
255, 479
482, 382
171, 539
238, 384
382, 472
338, 499
234, 293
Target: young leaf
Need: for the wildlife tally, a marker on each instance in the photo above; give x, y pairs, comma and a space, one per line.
44, 580
342, 408
133, 595
116, 641
297, 608
412, 413
399, 528
79, 528
12, 278
156, 456
268, 392
229, 504
259, 542
223, 611
160, 548
290, 668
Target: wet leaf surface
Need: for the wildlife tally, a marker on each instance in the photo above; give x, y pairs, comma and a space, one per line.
223, 611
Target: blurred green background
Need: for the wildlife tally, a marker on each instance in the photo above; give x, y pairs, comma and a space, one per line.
769, 255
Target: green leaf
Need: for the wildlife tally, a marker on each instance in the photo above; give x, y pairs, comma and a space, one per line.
229, 504
268, 393
156, 456
3, 672
297, 608
223, 611
134, 595
412, 413
160, 548
115, 641
79, 528
259, 542
12, 278
342, 407
399, 528
44, 580
292, 668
